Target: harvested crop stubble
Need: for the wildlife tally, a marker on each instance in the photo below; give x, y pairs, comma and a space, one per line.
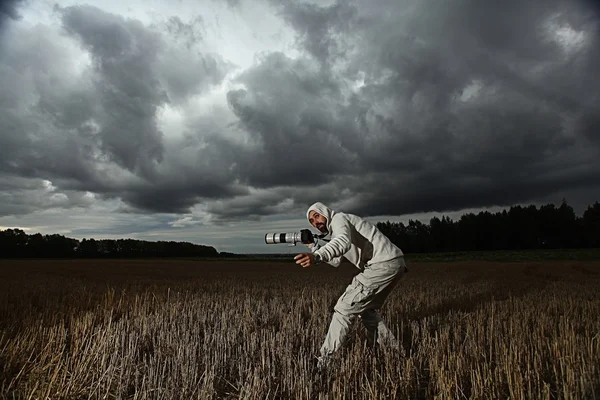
181, 329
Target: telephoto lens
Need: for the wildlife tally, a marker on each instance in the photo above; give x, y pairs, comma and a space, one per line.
289, 237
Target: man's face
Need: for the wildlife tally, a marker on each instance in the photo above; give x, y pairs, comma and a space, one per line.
318, 221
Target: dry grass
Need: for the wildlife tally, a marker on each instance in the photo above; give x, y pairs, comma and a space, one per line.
186, 330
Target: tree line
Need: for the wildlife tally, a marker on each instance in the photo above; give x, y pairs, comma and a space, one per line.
15, 243
519, 228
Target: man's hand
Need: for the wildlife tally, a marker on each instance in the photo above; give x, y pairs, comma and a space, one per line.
305, 259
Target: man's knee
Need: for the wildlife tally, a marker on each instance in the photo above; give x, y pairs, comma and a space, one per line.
341, 320
356, 299
348, 308
345, 309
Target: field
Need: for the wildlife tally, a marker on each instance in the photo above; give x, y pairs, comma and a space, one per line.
184, 329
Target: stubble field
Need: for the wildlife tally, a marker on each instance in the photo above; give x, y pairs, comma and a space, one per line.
183, 329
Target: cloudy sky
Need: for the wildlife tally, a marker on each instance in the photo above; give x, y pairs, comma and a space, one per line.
216, 121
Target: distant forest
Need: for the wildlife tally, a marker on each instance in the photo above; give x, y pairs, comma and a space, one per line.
15, 243
519, 228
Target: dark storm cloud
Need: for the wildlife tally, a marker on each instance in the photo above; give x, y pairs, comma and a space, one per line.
40, 106
185, 71
95, 129
9, 10
466, 104
267, 203
320, 29
176, 195
22, 196
288, 107
392, 107
129, 92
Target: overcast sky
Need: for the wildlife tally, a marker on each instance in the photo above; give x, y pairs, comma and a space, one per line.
217, 121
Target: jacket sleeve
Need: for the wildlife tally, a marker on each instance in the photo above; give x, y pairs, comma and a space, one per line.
341, 241
335, 262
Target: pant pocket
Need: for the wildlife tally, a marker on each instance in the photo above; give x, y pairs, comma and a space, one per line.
359, 294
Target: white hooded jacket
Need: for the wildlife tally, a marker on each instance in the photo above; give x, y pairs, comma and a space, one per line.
354, 238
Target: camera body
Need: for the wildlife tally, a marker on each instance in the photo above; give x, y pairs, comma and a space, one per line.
304, 236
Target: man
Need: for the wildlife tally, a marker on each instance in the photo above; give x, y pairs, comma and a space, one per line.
382, 264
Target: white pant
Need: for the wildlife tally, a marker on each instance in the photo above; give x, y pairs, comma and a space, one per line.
363, 297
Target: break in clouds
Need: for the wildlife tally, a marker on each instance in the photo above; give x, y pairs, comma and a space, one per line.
384, 108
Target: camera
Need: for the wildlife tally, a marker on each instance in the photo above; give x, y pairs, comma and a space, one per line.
304, 236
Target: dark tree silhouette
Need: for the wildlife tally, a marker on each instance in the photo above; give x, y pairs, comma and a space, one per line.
590, 226
16, 243
517, 228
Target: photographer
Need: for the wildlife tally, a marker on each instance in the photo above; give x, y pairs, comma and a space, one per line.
382, 264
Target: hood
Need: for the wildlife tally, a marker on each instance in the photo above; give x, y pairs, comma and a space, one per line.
324, 211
